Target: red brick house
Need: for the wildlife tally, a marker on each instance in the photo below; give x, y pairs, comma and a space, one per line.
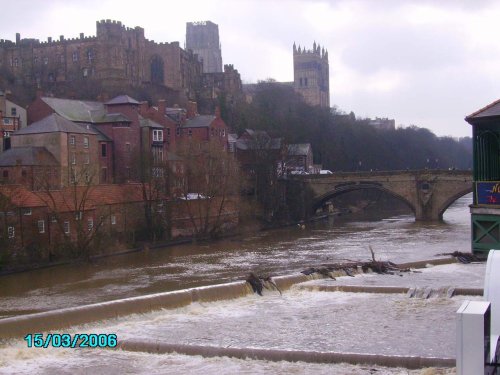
65, 151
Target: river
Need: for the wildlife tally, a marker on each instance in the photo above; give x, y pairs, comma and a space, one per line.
282, 251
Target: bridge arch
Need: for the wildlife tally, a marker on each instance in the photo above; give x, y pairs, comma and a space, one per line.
346, 188
447, 203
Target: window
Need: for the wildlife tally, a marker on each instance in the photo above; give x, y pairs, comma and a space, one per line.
223, 132
87, 176
104, 149
72, 140
75, 56
305, 81
73, 158
73, 175
90, 55
178, 132
35, 60
190, 132
157, 135
90, 224
27, 211
45, 60
85, 142
11, 232
66, 227
13, 111
61, 58
41, 226
113, 219
24, 173
53, 219
212, 132
5, 174
127, 147
16, 62
301, 82
87, 159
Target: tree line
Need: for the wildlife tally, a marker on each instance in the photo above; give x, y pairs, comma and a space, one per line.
340, 141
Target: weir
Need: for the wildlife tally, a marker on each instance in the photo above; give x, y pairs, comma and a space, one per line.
160, 341
19, 326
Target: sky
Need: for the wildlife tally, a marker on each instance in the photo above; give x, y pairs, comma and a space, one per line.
425, 63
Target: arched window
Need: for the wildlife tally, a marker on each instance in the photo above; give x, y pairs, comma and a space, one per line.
157, 70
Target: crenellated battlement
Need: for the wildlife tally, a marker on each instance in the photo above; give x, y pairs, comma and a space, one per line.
316, 51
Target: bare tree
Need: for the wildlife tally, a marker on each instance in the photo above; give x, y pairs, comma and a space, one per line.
74, 206
153, 173
209, 186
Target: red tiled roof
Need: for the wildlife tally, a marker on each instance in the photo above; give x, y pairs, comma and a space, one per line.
20, 196
69, 199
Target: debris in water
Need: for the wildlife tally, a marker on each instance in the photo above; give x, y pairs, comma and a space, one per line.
463, 257
258, 283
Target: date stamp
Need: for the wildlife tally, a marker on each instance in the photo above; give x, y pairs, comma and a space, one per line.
66, 340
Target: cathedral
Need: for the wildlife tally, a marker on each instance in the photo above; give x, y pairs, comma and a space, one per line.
311, 76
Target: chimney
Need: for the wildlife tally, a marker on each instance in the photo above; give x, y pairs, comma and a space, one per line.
18, 38
162, 105
191, 109
39, 93
217, 112
143, 107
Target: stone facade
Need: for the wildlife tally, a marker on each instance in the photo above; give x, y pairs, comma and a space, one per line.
311, 75
203, 39
117, 56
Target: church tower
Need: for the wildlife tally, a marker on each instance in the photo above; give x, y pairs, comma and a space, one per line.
311, 74
203, 39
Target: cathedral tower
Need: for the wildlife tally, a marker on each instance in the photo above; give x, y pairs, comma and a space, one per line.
311, 74
203, 39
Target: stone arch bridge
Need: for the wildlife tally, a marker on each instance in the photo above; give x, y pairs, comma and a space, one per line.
427, 192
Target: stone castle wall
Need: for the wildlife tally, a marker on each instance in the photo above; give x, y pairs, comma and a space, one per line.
116, 56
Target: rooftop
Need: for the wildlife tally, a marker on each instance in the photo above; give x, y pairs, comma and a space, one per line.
200, 121
54, 123
27, 156
299, 149
83, 111
491, 110
122, 99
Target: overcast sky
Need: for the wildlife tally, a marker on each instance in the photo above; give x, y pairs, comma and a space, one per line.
427, 63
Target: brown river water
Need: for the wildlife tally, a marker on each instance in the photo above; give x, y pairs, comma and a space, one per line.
276, 252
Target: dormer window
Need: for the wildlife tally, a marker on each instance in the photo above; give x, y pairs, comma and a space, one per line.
157, 135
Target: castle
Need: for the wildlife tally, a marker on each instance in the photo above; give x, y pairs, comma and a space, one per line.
311, 76
117, 56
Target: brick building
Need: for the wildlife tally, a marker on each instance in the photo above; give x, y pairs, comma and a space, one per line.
72, 147
12, 118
